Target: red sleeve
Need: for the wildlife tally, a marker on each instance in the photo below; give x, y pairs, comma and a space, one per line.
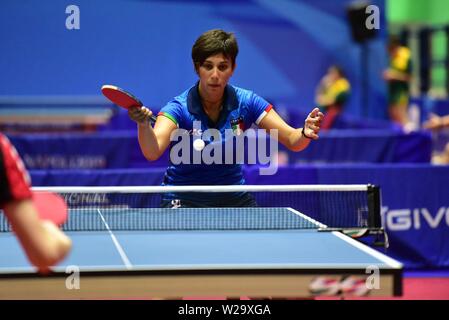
16, 182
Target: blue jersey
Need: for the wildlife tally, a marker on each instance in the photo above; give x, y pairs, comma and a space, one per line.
241, 109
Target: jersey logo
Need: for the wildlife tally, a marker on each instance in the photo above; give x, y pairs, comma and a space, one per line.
237, 126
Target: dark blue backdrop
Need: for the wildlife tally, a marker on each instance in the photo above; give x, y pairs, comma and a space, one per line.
144, 46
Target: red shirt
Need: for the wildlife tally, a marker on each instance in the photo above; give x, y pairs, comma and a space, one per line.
15, 182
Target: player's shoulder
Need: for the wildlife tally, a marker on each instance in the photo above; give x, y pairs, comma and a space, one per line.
183, 96
242, 93
246, 95
176, 109
179, 102
246, 98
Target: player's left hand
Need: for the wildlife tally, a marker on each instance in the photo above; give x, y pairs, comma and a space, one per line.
312, 125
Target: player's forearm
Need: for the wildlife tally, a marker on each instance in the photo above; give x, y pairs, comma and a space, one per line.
148, 142
44, 243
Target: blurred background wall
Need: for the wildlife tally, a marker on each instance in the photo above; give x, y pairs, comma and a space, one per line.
144, 46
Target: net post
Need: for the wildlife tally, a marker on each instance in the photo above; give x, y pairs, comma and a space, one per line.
374, 207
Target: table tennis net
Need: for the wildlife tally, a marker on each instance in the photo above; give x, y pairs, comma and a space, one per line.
92, 209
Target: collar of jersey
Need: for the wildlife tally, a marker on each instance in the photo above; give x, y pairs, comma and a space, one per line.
194, 101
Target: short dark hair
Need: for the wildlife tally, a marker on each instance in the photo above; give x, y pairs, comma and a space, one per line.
214, 42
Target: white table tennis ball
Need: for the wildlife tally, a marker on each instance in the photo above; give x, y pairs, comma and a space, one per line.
198, 144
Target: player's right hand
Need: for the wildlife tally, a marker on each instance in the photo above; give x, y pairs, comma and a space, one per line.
141, 115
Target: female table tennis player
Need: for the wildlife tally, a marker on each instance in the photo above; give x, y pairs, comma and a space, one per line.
33, 217
219, 105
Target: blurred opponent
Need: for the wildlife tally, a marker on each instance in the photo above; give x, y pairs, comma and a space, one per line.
43, 242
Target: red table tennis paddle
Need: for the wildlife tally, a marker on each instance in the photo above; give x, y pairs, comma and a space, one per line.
50, 206
122, 98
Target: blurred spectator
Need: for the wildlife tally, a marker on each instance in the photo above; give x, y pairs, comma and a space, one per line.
437, 123
398, 77
332, 93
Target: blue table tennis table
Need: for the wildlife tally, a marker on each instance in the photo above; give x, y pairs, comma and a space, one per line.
228, 261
